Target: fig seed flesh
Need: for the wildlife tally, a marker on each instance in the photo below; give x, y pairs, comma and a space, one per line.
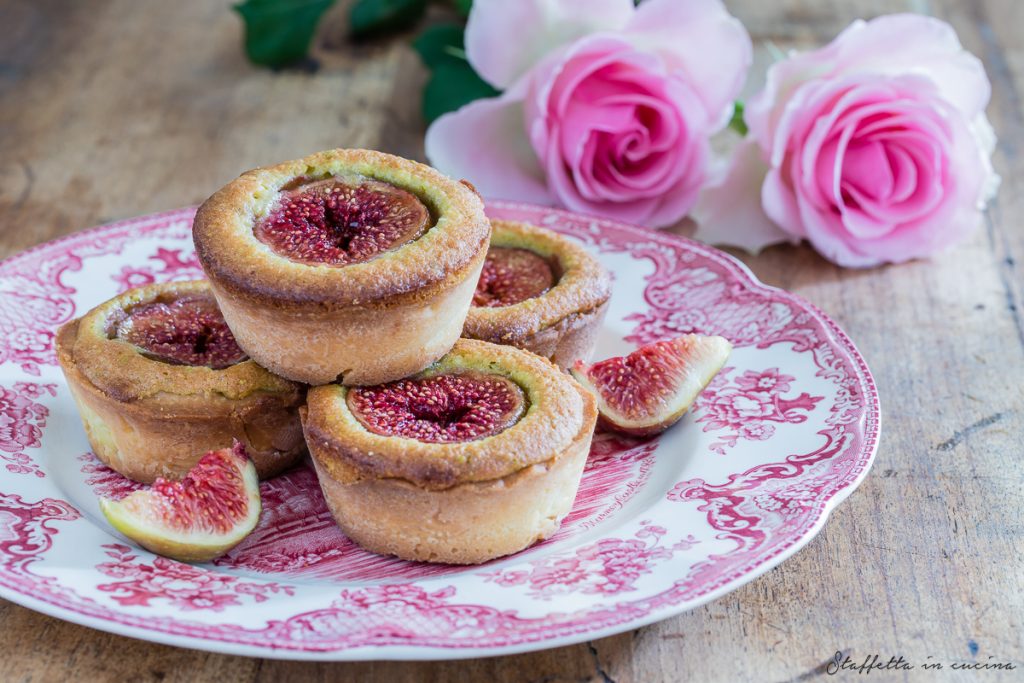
445, 408
338, 222
187, 331
511, 275
649, 390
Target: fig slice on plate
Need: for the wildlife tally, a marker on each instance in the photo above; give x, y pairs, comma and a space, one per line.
648, 391
198, 517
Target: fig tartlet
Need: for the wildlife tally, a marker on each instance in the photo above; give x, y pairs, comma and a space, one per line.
541, 292
347, 265
159, 381
478, 456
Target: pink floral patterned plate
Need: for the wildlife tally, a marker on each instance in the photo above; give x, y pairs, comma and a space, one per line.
784, 433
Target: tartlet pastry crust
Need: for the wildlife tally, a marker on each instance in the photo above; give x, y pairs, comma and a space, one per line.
367, 323
466, 502
562, 323
146, 418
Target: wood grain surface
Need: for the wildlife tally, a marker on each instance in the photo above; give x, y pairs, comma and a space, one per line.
115, 108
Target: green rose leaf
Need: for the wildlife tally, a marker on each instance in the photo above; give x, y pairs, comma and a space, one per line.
439, 44
463, 6
374, 17
278, 32
451, 85
736, 122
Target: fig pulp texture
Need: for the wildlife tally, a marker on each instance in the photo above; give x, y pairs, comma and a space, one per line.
337, 222
187, 331
440, 409
648, 391
196, 518
512, 275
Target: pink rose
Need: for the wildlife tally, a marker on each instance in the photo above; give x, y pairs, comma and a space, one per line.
607, 108
874, 148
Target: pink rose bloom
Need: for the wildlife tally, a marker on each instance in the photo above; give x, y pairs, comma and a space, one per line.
874, 148
607, 108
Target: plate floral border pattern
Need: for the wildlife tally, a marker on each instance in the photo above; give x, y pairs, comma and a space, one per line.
767, 512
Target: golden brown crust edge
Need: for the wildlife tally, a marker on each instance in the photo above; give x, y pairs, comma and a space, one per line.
574, 337
147, 431
558, 406
358, 345
561, 324
117, 368
469, 523
238, 262
570, 339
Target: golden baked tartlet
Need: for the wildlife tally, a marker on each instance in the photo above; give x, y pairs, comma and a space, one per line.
478, 456
159, 381
541, 292
348, 265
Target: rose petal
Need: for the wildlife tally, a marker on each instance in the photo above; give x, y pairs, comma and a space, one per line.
729, 210
583, 119
866, 167
779, 201
926, 161
940, 227
677, 202
985, 137
647, 109
787, 82
554, 79
895, 43
877, 142
826, 233
563, 186
506, 38
955, 217
691, 35
656, 211
485, 142
624, 72
904, 173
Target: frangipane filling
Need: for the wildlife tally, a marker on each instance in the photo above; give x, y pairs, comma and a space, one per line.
189, 330
338, 222
511, 275
440, 409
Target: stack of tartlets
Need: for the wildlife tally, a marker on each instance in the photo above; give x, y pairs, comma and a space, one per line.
339, 286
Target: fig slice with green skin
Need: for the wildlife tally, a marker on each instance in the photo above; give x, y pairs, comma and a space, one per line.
647, 391
198, 517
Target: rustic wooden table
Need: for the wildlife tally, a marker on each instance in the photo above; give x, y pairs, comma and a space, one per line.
110, 109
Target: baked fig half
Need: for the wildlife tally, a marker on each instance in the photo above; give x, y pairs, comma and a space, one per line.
198, 517
648, 391
512, 275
